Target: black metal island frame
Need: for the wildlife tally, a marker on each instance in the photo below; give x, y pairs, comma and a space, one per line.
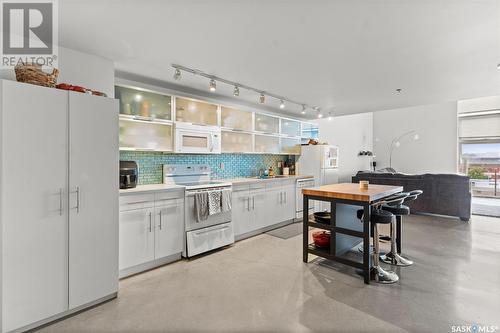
346, 230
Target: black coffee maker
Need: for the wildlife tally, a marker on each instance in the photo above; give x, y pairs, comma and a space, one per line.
128, 174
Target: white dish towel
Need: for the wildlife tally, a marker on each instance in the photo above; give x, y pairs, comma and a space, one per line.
214, 202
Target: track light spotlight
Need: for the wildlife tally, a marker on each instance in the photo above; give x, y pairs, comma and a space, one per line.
330, 116
177, 74
262, 98
282, 104
236, 91
212, 85
303, 109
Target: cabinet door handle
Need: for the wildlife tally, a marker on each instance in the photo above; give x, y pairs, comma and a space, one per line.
77, 199
60, 202
248, 203
160, 219
253, 203
150, 222
285, 196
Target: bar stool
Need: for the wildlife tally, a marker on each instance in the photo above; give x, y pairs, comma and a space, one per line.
380, 216
394, 257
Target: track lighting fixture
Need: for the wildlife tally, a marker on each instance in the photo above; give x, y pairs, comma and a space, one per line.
177, 74
330, 116
212, 85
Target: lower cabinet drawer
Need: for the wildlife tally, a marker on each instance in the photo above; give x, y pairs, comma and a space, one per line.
206, 239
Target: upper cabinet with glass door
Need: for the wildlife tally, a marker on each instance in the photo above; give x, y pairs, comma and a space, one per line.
267, 124
236, 119
196, 112
143, 105
290, 127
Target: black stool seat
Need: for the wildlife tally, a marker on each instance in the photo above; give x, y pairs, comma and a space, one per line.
377, 216
397, 210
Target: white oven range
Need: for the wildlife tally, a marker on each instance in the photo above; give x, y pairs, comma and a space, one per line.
204, 235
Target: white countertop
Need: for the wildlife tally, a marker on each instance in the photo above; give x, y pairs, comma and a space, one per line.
151, 188
233, 181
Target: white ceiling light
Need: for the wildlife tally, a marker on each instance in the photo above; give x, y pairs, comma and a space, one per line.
212, 85
177, 74
303, 109
282, 104
330, 116
262, 98
498, 66
236, 91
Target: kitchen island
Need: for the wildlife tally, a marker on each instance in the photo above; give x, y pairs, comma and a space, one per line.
346, 229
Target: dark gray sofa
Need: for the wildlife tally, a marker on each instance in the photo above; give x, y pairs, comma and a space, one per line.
444, 194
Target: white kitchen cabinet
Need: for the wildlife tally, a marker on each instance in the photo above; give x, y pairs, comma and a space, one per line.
145, 135
290, 146
93, 208
55, 256
169, 228
267, 144
196, 112
267, 124
142, 104
34, 203
136, 237
151, 230
236, 119
290, 127
236, 142
242, 215
260, 206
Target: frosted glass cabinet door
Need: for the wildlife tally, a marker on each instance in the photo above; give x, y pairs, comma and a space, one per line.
140, 135
290, 127
267, 144
290, 146
236, 119
267, 124
195, 112
144, 104
236, 142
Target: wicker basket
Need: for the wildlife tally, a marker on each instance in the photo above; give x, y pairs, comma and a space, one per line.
33, 73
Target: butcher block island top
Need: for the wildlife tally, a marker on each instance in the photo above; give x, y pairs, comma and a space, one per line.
351, 191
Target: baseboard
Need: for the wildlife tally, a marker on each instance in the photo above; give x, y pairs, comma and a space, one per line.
63, 315
148, 265
263, 230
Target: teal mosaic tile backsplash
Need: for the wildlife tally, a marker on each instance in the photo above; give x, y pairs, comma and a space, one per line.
235, 165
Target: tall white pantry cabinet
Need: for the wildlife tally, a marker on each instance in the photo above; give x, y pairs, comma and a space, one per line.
58, 203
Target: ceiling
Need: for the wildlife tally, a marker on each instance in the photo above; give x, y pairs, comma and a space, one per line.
343, 56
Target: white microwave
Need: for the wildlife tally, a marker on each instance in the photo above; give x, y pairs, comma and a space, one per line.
197, 139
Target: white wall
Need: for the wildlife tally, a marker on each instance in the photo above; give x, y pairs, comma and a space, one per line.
81, 69
351, 133
436, 149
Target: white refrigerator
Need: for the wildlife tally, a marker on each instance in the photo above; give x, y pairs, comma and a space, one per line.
321, 161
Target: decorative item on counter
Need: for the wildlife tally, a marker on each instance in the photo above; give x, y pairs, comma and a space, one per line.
286, 171
363, 184
313, 142
271, 171
80, 89
34, 74
321, 238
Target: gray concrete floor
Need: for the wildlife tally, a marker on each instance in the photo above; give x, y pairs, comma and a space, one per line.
260, 284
